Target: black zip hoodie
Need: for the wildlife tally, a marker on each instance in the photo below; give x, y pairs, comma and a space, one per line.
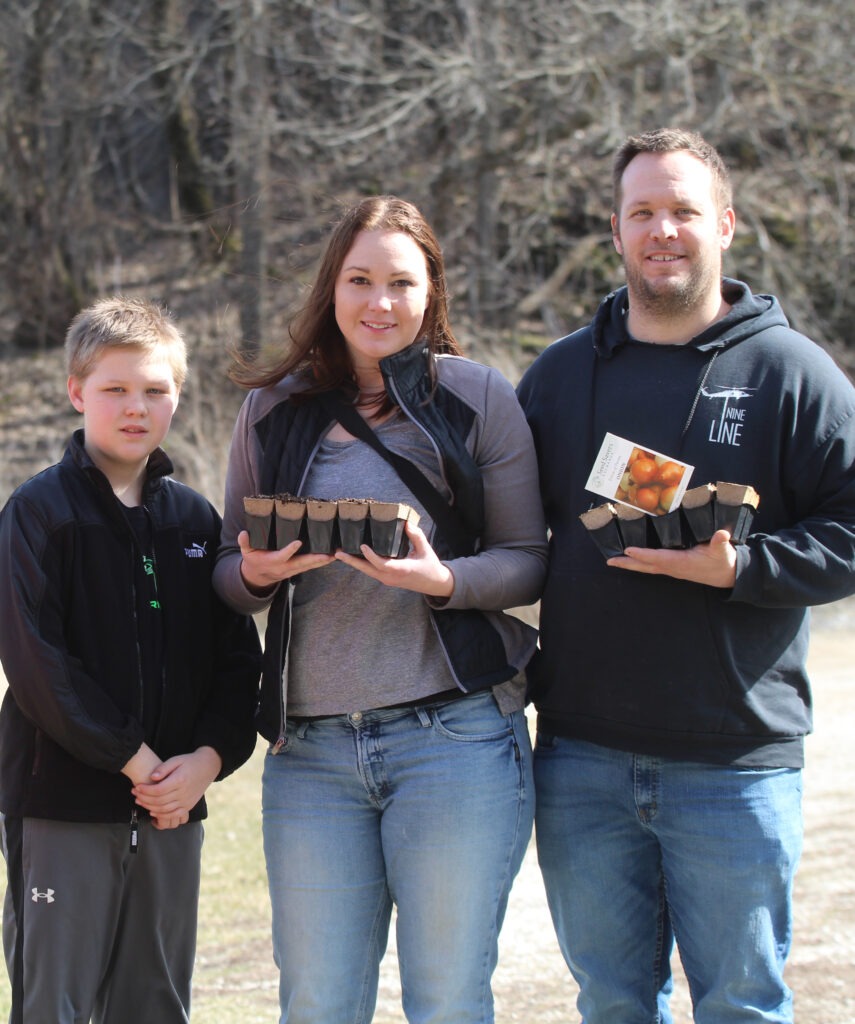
662, 666
72, 715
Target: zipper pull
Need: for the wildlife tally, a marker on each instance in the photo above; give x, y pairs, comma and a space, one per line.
135, 832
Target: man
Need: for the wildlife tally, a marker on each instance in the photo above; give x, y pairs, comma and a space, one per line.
670, 687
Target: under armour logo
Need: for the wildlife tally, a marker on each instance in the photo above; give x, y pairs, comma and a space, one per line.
47, 896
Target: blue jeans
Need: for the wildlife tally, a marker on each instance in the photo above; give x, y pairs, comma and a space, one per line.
427, 808
636, 851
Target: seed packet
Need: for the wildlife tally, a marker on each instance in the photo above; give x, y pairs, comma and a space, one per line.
631, 474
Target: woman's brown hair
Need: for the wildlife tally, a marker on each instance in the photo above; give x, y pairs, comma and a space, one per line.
317, 345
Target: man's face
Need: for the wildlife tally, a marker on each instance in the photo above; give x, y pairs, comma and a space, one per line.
671, 233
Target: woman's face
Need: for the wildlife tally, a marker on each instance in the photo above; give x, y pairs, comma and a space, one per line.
381, 294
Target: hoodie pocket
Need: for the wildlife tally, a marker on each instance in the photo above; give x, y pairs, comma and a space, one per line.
635, 650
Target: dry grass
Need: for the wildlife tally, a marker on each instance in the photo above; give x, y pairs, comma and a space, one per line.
235, 980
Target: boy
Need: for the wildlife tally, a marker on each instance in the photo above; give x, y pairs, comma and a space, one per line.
131, 688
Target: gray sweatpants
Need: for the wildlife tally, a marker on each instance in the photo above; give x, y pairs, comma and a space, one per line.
94, 932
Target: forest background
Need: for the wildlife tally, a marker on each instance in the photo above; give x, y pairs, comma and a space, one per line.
197, 152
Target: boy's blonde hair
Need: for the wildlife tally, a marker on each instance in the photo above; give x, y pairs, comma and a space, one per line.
120, 321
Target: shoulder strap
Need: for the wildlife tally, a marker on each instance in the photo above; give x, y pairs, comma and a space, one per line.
446, 518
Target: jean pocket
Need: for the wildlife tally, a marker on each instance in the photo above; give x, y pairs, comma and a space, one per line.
544, 741
472, 720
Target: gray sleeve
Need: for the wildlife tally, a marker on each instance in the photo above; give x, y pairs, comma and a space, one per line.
242, 480
510, 568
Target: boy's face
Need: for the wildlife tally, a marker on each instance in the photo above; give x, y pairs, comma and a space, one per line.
127, 401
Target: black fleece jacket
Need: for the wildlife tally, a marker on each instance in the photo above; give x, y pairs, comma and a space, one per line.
661, 666
72, 714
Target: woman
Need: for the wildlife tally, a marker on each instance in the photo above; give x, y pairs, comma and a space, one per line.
399, 766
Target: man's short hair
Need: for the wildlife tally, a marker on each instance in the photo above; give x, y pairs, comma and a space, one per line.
673, 140
120, 321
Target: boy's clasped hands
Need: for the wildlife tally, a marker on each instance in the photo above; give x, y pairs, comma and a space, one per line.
169, 789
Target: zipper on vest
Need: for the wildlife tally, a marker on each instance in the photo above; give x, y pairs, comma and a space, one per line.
283, 673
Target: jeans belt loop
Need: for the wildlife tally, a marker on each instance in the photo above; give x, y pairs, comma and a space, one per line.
423, 716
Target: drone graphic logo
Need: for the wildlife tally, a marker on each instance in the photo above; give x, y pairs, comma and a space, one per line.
728, 427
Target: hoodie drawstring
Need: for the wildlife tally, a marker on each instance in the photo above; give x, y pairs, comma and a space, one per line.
698, 393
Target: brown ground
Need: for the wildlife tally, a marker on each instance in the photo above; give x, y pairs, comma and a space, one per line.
532, 984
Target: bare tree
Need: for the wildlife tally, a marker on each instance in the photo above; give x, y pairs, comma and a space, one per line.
248, 123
